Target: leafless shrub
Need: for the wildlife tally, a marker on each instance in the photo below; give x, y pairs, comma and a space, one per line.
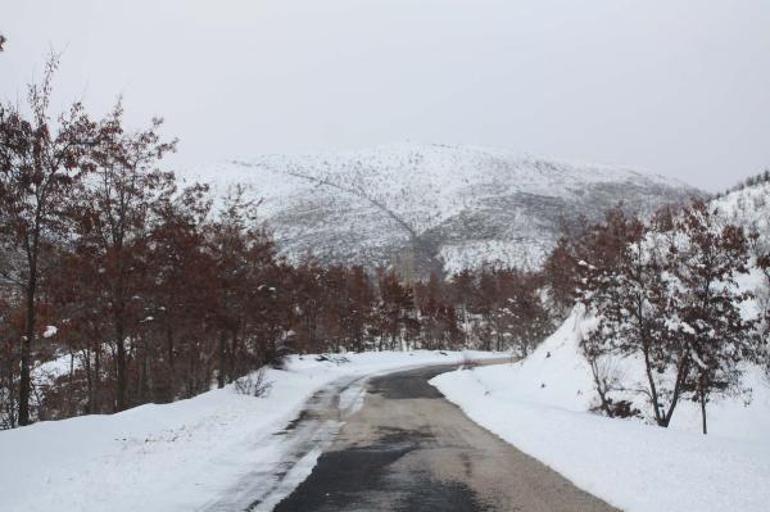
253, 384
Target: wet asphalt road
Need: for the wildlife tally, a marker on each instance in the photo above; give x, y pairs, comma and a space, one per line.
409, 449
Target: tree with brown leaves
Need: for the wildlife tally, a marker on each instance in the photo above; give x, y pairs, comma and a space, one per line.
118, 205
706, 311
41, 162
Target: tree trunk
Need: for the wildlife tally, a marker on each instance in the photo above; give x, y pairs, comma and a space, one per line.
659, 419
171, 368
26, 347
232, 371
682, 371
645, 343
192, 381
89, 407
221, 372
96, 407
143, 390
71, 402
121, 402
702, 393
11, 408
170, 347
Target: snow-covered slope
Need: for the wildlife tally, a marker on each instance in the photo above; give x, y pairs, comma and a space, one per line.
557, 375
424, 206
540, 406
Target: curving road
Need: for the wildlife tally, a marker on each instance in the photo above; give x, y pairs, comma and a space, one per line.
409, 449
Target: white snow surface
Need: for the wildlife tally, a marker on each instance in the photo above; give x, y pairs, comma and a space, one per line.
181, 456
541, 404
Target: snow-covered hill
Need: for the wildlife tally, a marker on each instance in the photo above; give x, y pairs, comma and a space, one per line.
426, 206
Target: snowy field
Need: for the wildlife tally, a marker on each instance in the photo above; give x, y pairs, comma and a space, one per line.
540, 406
181, 456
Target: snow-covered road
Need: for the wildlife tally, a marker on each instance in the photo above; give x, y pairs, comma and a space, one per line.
408, 449
209, 452
299, 445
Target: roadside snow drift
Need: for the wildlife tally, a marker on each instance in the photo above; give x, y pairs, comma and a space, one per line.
541, 405
180, 456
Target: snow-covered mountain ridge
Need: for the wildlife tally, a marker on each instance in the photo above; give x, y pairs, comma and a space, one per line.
427, 206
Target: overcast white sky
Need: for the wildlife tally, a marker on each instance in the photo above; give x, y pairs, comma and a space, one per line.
681, 88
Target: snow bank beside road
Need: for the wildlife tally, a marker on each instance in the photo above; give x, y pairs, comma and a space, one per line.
540, 406
170, 457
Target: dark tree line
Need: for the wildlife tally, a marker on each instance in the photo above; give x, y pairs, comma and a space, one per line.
150, 291
751, 181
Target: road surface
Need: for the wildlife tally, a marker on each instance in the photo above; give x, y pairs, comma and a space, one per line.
409, 449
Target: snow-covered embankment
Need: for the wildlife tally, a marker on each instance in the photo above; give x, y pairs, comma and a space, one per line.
540, 405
